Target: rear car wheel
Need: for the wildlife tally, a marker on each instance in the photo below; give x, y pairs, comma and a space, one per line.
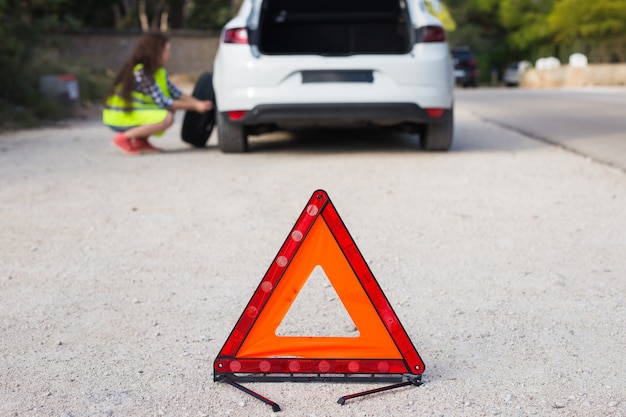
233, 137
197, 127
438, 136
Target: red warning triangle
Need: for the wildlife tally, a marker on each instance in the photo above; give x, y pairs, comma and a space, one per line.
318, 239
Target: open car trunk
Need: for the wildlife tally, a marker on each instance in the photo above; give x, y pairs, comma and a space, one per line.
334, 27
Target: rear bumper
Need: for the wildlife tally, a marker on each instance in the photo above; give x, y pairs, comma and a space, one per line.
243, 82
339, 114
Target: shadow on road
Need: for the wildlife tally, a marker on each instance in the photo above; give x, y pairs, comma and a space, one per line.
324, 141
335, 140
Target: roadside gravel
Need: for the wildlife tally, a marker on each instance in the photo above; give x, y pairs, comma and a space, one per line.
121, 277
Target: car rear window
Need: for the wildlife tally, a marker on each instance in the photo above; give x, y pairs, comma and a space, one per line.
331, 27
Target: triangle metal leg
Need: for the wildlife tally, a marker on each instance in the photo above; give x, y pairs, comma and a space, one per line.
275, 407
343, 399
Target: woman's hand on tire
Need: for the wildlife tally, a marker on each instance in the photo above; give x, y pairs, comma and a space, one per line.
203, 106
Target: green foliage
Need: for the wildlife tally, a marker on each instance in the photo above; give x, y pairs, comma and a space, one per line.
91, 13
501, 31
15, 54
26, 54
526, 22
571, 20
209, 14
478, 27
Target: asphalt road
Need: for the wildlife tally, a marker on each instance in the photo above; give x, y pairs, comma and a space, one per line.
591, 121
121, 277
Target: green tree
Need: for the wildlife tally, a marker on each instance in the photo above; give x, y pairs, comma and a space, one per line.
597, 20
23, 29
24, 25
141, 14
88, 13
210, 14
478, 26
477, 23
526, 23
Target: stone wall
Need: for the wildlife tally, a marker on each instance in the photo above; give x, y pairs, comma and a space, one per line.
192, 52
567, 76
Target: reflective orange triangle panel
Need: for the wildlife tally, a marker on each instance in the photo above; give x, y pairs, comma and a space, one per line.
319, 238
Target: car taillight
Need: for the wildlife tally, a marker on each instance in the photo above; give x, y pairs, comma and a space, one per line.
236, 35
236, 114
432, 34
472, 62
435, 112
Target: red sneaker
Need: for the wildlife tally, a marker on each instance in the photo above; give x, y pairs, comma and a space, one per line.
145, 146
126, 144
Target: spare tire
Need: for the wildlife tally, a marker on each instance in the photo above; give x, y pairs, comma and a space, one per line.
197, 127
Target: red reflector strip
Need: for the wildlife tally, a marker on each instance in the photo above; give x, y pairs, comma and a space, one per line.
236, 114
434, 112
312, 366
236, 35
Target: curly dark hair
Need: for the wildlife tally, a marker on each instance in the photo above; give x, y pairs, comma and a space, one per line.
148, 51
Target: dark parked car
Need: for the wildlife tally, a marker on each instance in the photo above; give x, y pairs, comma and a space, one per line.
465, 66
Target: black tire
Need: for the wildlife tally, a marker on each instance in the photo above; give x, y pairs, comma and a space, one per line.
232, 137
197, 127
438, 136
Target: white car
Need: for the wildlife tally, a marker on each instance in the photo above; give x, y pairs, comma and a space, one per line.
285, 64
513, 72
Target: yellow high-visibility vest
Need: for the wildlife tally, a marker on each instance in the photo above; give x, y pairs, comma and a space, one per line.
144, 110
